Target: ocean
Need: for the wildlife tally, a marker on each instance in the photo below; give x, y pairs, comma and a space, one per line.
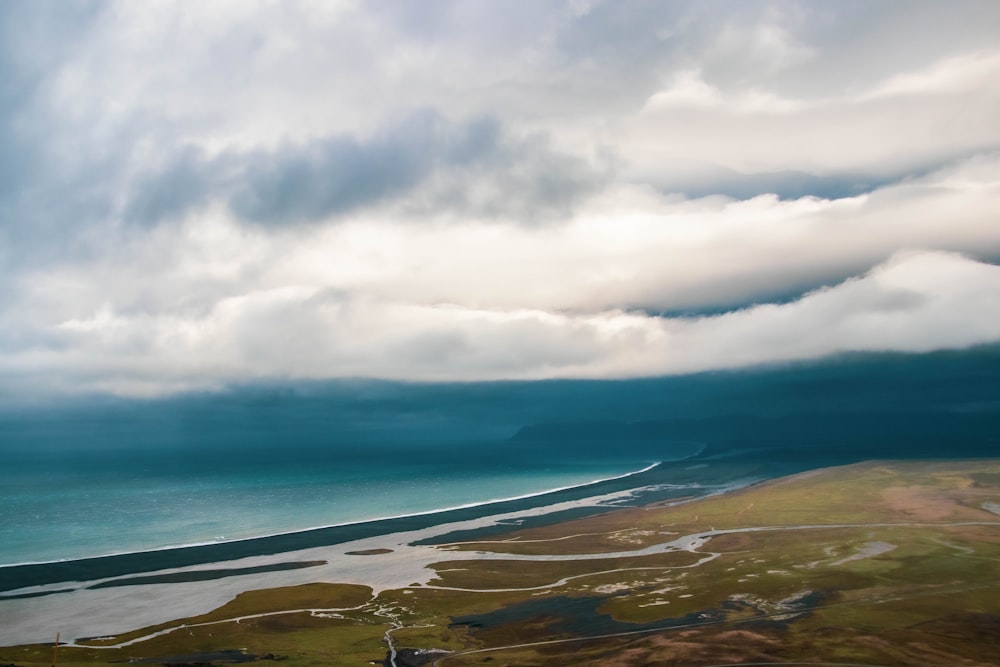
69, 507
228, 492
145, 524
101, 477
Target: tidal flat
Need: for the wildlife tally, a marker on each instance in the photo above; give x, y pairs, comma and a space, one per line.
875, 563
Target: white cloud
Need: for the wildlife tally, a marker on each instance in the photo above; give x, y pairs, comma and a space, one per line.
910, 303
203, 203
767, 44
211, 302
908, 121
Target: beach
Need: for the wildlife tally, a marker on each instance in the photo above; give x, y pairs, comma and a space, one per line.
121, 592
734, 571
111, 594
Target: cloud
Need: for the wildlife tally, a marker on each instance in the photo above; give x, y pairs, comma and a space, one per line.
338, 174
906, 123
197, 194
910, 303
213, 301
471, 167
634, 249
39, 196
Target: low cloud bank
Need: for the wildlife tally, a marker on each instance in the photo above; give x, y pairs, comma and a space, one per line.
914, 302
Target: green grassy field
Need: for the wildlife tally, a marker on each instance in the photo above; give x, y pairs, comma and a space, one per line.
874, 563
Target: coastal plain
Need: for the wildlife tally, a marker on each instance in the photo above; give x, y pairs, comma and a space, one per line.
875, 563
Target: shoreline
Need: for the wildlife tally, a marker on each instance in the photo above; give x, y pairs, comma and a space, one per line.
93, 597
33, 575
98, 604
103, 596
323, 527
110, 619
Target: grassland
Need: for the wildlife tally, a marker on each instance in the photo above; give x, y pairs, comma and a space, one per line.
873, 564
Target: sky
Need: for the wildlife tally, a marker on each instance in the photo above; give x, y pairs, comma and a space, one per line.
195, 196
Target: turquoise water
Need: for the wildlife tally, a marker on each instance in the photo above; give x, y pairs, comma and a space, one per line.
66, 508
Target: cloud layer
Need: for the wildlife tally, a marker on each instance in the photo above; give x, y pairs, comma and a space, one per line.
194, 196
911, 303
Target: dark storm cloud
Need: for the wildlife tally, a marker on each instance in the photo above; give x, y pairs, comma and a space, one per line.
527, 181
338, 174
185, 182
335, 175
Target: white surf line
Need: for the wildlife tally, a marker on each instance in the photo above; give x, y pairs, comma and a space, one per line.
236, 619
391, 539
441, 510
90, 613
